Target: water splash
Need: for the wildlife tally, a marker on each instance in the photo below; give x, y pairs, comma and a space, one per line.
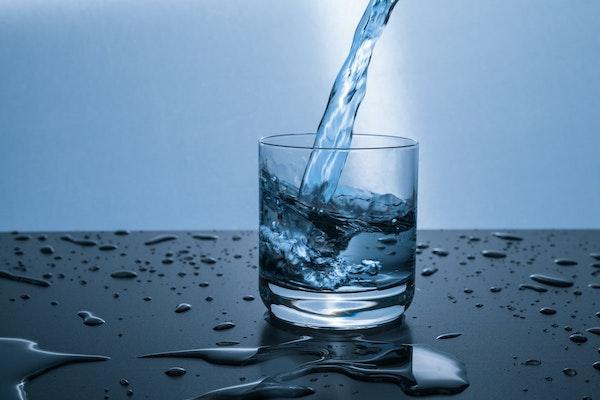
417, 370
239, 356
21, 361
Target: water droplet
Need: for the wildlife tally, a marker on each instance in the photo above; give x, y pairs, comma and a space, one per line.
449, 335
551, 280
123, 382
595, 256
123, 274
440, 252
22, 238
227, 343
121, 232
148, 298
536, 288
107, 247
569, 372
183, 307
175, 371
160, 239
547, 311
203, 284
532, 362
578, 338
79, 242
507, 236
20, 278
208, 260
468, 291
205, 237
429, 271
565, 262
224, 326
596, 365
90, 319
495, 289
493, 254
422, 246
594, 330
594, 285
248, 298
48, 250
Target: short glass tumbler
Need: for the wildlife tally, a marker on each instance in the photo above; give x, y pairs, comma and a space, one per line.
344, 263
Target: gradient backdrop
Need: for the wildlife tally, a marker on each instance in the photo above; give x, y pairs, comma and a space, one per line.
145, 114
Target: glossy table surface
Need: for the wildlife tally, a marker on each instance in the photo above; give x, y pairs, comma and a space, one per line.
501, 328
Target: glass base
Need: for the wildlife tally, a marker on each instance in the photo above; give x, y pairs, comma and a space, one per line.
340, 311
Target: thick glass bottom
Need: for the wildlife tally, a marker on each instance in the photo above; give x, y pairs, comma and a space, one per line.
341, 310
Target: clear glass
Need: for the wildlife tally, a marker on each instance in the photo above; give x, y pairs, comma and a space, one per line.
348, 263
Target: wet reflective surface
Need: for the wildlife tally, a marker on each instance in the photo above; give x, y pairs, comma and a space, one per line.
22, 360
509, 348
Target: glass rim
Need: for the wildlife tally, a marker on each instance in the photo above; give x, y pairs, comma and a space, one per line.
264, 141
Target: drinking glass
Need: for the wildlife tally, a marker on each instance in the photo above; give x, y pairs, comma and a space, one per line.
347, 262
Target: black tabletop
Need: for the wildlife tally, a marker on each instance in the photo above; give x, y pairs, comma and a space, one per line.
511, 350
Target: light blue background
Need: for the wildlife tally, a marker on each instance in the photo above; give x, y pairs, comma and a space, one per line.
145, 114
